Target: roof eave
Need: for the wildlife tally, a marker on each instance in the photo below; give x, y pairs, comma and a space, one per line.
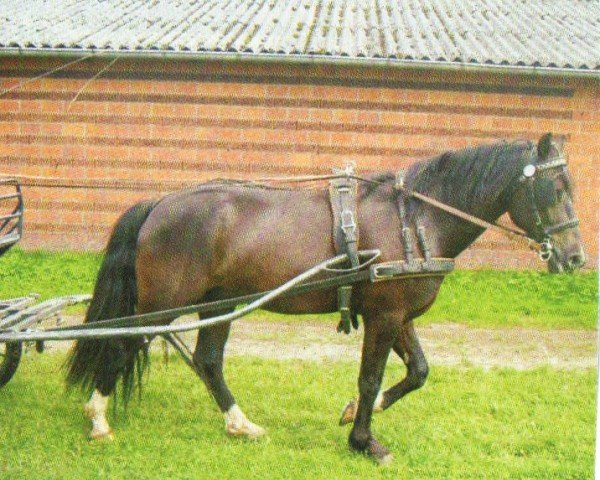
304, 59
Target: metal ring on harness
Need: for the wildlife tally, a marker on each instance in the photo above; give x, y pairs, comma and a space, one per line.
545, 252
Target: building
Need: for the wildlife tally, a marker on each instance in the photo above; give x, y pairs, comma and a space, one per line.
156, 95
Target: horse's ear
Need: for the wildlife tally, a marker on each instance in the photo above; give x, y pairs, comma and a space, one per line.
559, 142
544, 146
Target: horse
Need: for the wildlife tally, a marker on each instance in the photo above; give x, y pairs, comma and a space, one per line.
224, 239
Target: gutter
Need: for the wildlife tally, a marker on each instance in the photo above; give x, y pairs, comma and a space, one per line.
305, 59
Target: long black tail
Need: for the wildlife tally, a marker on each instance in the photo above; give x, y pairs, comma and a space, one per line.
100, 363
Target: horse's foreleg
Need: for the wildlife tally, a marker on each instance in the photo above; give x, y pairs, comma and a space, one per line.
409, 349
95, 410
208, 358
380, 332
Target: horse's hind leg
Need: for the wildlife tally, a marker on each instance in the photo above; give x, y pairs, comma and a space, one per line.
208, 358
409, 349
95, 409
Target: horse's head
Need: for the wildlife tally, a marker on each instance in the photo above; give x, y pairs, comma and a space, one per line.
542, 205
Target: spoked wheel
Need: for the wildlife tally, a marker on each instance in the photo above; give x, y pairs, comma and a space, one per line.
10, 356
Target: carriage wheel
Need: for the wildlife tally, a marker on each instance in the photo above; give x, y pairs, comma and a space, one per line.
10, 356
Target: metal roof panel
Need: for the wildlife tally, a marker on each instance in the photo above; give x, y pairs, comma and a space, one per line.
559, 33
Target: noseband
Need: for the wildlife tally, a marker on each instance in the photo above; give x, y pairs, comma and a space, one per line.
543, 232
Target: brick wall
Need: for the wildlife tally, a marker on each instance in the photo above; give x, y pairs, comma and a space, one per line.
150, 126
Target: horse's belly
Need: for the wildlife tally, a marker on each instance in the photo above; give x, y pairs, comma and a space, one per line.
315, 302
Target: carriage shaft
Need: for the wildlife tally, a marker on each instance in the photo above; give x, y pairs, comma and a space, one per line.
140, 331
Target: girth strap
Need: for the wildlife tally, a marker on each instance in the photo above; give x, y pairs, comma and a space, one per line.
343, 194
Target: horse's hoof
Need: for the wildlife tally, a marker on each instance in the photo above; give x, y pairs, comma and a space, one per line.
349, 413
386, 460
381, 454
238, 425
102, 435
249, 430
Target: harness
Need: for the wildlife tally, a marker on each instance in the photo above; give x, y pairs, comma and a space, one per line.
343, 192
343, 195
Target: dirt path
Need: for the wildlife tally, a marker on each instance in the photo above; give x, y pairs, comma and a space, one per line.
444, 344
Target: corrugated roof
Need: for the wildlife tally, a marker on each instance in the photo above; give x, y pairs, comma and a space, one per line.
542, 33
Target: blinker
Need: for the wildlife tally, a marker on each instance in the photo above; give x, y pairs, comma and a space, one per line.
545, 193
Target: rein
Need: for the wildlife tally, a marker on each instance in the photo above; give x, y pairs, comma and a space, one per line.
543, 248
509, 232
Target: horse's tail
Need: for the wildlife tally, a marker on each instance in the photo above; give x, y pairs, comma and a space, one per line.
98, 364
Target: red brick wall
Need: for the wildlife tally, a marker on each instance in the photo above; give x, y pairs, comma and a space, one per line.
166, 123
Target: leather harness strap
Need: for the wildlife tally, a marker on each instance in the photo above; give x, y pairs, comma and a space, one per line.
343, 194
343, 197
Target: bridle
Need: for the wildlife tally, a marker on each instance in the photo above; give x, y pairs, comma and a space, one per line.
540, 239
543, 232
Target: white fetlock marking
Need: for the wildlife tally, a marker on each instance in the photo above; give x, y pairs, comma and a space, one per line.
378, 405
237, 424
95, 410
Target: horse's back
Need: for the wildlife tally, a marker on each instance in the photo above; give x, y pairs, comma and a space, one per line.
232, 237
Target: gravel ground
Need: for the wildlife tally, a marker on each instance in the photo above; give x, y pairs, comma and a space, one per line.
444, 344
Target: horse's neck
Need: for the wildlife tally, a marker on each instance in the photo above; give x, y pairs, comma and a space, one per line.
449, 235
453, 235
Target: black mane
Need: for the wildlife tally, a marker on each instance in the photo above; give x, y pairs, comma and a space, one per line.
472, 177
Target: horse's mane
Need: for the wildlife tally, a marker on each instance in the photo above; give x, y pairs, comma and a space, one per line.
469, 177
463, 178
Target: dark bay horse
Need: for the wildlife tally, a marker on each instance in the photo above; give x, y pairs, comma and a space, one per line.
225, 239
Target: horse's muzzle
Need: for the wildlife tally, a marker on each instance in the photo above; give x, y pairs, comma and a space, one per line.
560, 262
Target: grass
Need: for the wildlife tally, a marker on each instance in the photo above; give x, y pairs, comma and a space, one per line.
51, 274
466, 423
484, 298
478, 298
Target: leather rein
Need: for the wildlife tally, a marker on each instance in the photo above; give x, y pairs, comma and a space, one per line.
543, 248
544, 232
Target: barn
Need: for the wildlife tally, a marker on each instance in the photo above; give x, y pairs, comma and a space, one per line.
103, 103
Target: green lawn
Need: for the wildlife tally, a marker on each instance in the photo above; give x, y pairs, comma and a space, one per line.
479, 298
466, 423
